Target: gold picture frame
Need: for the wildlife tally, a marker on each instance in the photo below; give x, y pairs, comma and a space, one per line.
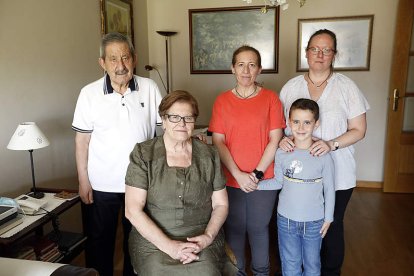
117, 16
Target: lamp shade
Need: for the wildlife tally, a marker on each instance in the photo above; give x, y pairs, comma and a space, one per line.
28, 137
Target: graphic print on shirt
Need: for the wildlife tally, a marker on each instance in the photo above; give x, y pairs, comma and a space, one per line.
295, 167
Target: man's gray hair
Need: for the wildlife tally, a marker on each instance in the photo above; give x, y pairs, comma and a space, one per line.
115, 37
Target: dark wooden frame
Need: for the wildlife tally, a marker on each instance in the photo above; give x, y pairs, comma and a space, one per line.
235, 36
105, 21
348, 37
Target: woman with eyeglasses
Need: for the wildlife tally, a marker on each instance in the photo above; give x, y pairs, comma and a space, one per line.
247, 123
343, 110
176, 198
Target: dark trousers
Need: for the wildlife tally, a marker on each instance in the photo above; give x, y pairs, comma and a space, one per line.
250, 213
101, 221
274, 243
333, 244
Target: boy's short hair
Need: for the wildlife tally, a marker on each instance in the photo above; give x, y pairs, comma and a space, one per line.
306, 104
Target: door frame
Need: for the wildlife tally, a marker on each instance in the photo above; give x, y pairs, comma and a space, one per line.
393, 180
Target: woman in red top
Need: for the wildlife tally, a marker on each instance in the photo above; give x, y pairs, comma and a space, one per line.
247, 123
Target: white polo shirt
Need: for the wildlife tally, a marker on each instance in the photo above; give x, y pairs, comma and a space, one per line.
116, 123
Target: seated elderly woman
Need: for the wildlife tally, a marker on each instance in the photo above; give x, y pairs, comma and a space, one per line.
176, 198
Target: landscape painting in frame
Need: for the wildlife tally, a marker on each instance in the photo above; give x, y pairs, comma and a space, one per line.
216, 33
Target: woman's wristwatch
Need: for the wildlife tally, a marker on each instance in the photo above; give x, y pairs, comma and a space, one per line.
335, 145
259, 174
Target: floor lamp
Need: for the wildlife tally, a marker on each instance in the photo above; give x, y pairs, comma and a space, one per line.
167, 34
150, 68
29, 137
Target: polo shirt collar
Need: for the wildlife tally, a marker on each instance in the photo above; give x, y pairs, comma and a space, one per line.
108, 89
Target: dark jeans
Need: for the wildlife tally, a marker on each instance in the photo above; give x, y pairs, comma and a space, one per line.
101, 221
333, 244
250, 213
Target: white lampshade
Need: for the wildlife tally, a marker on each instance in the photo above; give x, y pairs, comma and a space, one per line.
28, 137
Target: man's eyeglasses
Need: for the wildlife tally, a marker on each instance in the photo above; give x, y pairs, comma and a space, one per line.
325, 51
178, 118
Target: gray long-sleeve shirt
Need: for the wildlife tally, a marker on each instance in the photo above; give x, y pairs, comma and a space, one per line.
307, 182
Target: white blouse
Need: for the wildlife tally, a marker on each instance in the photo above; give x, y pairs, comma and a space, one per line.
340, 101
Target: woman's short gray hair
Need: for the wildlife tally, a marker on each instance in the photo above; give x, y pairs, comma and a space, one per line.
115, 37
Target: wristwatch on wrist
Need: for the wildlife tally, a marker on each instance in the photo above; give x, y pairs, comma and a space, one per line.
335, 145
259, 174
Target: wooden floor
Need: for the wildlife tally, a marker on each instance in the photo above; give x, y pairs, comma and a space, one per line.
379, 236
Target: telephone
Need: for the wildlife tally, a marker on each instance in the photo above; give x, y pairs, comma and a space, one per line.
30, 205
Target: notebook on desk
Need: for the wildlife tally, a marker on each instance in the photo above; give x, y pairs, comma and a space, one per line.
52, 203
7, 213
11, 224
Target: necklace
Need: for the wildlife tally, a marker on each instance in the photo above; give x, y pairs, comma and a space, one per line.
245, 97
319, 86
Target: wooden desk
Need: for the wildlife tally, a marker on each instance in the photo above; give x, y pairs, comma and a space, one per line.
36, 227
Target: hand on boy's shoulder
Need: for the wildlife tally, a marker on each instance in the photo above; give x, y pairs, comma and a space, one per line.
319, 147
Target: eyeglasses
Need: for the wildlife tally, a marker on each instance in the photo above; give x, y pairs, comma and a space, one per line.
325, 51
178, 118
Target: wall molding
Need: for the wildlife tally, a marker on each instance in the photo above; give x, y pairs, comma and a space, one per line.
369, 184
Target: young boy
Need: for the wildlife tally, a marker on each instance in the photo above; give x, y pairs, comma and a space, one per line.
307, 198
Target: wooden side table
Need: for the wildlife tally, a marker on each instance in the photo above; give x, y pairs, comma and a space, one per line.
6, 244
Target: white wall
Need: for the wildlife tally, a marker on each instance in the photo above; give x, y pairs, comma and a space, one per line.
141, 36
49, 50
173, 15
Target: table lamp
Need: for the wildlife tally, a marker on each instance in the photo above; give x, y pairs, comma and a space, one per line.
29, 137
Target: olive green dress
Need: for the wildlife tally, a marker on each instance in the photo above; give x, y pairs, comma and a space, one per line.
179, 202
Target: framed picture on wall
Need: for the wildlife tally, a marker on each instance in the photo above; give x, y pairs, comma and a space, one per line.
116, 16
353, 33
216, 33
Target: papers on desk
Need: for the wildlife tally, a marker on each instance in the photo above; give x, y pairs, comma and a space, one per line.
52, 203
11, 224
